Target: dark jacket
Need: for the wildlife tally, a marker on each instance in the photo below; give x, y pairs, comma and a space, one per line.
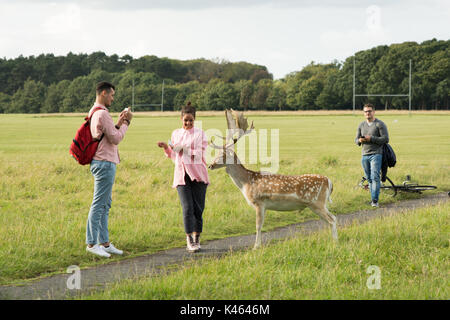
389, 160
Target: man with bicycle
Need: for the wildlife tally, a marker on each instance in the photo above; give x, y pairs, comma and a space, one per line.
372, 134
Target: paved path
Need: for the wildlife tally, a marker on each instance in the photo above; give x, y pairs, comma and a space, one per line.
55, 287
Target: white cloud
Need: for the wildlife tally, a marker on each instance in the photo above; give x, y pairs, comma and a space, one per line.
284, 36
367, 32
67, 20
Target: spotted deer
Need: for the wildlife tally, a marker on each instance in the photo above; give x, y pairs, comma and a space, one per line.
265, 191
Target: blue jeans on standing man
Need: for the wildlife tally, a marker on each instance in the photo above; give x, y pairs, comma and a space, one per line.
372, 166
104, 173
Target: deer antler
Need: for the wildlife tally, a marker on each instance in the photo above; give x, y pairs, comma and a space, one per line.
213, 145
236, 123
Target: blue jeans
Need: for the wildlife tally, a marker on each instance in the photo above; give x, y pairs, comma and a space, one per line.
104, 173
372, 167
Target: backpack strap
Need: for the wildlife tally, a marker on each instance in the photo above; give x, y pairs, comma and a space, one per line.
89, 118
96, 109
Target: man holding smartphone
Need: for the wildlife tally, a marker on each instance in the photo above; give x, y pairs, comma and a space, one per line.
103, 168
372, 134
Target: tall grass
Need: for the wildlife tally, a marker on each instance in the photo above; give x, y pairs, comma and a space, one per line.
45, 196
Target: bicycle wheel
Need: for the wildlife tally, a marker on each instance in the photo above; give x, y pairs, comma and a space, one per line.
389, 188
418, 188
363, 184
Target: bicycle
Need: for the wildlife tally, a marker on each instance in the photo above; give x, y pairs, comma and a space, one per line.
392, 189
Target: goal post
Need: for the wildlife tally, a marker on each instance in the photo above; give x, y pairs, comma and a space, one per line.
380, 95
148, 104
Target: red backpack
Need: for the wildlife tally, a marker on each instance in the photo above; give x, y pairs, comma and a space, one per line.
83, 147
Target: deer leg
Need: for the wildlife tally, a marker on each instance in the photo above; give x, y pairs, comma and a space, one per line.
260, 211
328, 217
332, 220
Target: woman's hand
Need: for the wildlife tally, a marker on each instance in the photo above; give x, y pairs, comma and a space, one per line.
163, 145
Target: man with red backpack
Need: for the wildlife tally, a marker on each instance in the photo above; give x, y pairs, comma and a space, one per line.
103, 168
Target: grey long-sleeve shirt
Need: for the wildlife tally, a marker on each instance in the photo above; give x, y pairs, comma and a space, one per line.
379, 136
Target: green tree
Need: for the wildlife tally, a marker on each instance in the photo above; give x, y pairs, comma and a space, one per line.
79, 95
245, 89
55, 95
382, 69
260, 74
309, 91
277, 96
328, 97
124, 88
218, 95
5, 100
233, 72
438, 74
260, 94
304, 87
185, 93
28, 99
391, 72
21, 71
443, 93
342, 87
71, 66
200, 70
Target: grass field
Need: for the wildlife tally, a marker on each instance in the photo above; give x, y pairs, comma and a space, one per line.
411, 252
45, 195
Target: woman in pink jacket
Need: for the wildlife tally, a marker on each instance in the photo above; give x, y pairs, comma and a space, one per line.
186, 149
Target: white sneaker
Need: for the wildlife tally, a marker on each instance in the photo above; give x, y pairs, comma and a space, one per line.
191, 247
112, 249
197, 241
98, 250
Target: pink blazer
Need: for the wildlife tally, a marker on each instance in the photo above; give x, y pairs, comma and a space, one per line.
191, 158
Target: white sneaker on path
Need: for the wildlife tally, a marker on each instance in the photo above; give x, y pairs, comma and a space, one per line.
98, 250
112, 249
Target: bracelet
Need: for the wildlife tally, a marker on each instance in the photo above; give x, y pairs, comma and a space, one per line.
128, 121
117, 127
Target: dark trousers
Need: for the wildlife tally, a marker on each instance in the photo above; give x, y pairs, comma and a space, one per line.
192, 197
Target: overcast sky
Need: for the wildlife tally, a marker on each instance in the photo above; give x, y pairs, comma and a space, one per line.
284, 35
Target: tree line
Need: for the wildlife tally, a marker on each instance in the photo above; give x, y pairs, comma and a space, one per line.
48, 83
